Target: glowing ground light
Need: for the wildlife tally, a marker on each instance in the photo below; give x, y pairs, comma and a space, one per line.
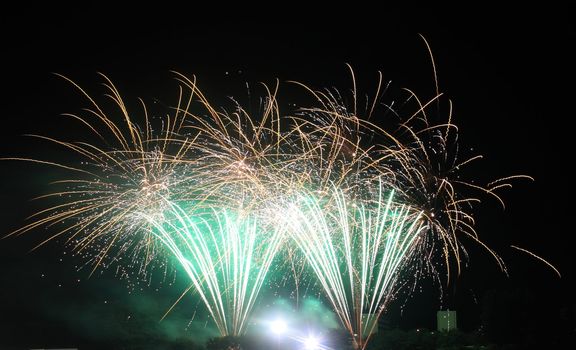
278, 326
311, 343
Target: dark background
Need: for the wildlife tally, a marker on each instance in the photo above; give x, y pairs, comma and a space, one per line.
511, 78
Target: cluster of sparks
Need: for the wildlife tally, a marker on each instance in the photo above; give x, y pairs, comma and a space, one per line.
223, 194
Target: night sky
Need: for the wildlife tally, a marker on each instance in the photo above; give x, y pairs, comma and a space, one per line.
511, 82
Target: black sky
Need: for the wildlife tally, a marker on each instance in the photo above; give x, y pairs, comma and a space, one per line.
511, 80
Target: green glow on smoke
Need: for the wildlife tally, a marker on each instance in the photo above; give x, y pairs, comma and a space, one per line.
225, 255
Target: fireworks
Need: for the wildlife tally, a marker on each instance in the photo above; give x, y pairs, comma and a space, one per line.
132, 171
222, 193
356, 253
226, 258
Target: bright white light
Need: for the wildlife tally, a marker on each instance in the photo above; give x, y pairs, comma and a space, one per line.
311, 343
278, 326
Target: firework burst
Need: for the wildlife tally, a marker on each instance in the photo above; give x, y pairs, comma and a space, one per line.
356, 250
132, 170
225, 256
